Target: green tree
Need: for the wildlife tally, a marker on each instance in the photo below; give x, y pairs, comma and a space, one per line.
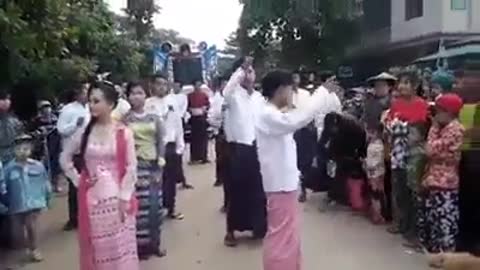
52, 42
293, 33
140, 14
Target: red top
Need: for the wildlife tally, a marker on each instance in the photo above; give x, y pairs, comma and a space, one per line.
413, 111
198, 99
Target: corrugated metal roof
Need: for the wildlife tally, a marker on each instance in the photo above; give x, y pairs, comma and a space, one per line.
453, 52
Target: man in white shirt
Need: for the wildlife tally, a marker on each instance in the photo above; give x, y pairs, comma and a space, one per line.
215, 120
218, 119
179, 96
73, 118
165, 106
332, 105
181, 99
246, 202
306, 137
278, 157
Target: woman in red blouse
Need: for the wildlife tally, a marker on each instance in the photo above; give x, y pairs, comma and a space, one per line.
198, 103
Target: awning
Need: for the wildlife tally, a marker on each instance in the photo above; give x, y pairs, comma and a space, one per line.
452, 52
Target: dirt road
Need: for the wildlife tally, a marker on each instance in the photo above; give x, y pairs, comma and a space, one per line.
335, 240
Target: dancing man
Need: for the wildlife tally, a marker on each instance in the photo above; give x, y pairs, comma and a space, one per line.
277, 155
246, 199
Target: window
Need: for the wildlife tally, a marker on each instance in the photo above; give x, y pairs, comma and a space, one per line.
413, 9
458, 4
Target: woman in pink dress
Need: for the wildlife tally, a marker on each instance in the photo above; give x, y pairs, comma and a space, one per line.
105, 186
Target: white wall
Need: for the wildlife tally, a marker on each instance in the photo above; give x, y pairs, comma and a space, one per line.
454, 20
475, 13
437, 17
430, 22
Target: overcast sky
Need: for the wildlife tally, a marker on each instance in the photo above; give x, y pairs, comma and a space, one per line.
207, 20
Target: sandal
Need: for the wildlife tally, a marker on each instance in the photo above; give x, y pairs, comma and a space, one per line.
230, 241
143, 257
36, 256
160, 253
436, 261
187, 186
176, 216
414, 246
302, 198
393, 230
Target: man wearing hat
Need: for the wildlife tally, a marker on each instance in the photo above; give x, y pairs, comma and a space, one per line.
375, 105
44, 124
439, 213
379, 102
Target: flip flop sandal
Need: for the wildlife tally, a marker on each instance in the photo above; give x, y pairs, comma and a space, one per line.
176, 216
393, 230
230, 241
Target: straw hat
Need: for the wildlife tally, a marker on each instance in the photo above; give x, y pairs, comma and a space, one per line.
23, 138
384, 76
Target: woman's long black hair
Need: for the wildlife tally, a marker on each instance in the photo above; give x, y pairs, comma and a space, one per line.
111, 96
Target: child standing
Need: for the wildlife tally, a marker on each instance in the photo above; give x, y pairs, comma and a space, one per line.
375, 168
439, 201
26, 192
410, 114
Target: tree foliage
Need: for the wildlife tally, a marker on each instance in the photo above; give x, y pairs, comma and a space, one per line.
47, 44
53, 42
140, 15
294, 33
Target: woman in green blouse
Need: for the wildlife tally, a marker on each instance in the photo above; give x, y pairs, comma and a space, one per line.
148, 133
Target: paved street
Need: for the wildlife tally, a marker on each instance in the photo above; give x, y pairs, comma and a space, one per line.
333, 240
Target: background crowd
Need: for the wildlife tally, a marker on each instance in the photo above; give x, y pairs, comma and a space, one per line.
402, 152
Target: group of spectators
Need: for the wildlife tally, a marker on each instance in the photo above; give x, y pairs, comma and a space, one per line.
405, 159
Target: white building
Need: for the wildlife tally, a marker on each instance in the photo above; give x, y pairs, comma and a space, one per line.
396, 32
416, 18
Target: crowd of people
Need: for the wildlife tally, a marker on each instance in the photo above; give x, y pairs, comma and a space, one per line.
400, 151
401, 156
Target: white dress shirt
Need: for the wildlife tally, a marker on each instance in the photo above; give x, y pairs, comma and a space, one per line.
300, 98
122, 108
182, 104
332, 104
167, 108
277, 150
67, 120
242, 109
215, 114
226, 123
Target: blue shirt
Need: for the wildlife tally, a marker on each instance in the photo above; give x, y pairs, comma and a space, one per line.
25, 187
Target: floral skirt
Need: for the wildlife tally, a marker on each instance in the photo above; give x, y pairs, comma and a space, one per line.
438, 218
